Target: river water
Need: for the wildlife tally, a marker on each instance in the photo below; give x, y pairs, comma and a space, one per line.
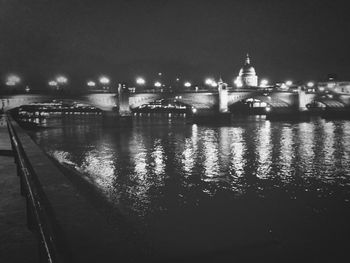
254, 189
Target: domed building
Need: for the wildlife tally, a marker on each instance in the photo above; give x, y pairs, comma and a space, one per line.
247, 76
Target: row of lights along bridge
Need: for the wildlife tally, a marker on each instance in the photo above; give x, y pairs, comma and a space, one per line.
104, 82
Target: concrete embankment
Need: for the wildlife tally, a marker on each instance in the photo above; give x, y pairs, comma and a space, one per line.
17, 243
84, 233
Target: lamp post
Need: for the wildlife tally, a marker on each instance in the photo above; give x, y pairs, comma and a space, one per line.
91, 83
310, 84
61, 81
13, 80
187, 84
140, 81
157, 84
53, 83
104, 81
211, 82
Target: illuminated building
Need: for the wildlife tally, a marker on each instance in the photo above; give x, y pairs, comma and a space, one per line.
247, 76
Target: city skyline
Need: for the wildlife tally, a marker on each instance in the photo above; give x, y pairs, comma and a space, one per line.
193, 40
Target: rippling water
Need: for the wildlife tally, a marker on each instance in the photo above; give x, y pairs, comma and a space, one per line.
194, 188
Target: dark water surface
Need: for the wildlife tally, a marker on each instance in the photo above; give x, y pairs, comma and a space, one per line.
254, 190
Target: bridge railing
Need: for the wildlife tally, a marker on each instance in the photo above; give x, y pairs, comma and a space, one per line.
38, 219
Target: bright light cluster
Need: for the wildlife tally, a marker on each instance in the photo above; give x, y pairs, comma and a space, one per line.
91, 83
264, 82
104, 80
289, 83
211, 82
157, 84
140, 81
61, 80
12, 80
52, 83
238, 83
187, 84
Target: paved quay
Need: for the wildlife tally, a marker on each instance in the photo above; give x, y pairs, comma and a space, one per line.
83, 230
17, 243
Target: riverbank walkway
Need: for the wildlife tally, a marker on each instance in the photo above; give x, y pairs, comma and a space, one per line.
17, 243
70, 222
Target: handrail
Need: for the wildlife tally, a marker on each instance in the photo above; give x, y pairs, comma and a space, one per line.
36, 209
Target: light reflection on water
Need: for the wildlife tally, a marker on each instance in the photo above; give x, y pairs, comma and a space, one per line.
159, 167
143, 158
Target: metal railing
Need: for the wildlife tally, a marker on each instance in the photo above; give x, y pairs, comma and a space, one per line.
38, 219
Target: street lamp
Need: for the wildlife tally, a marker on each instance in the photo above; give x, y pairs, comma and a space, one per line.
61, 80
157, 84
187, 84
310, 84
12, 80
91, 83
289, 83
209, 81
264, 82
53, 83
238, 83
140, 81
104, 80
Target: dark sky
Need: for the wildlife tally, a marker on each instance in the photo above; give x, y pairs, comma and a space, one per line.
300, 40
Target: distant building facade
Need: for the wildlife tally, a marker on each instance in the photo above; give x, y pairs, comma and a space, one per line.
247, 76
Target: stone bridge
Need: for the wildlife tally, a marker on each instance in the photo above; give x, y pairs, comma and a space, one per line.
121, 103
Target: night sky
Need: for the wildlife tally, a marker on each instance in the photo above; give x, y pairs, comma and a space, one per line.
300, 40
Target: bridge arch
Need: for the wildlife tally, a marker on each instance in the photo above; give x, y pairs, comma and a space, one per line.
103, 101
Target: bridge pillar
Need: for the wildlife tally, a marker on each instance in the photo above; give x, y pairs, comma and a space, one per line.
223, 97
123, 101
304, 99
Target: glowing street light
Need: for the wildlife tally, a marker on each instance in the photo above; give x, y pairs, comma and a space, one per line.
61, 80
310, 84
289, 83
91, 83
238, 83
104, 80
157, 84
53, 83
264, 82
12, 80
187, 84
209, 81
140, 81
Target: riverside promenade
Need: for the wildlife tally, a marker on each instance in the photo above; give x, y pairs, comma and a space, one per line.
68, 217
17, 243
